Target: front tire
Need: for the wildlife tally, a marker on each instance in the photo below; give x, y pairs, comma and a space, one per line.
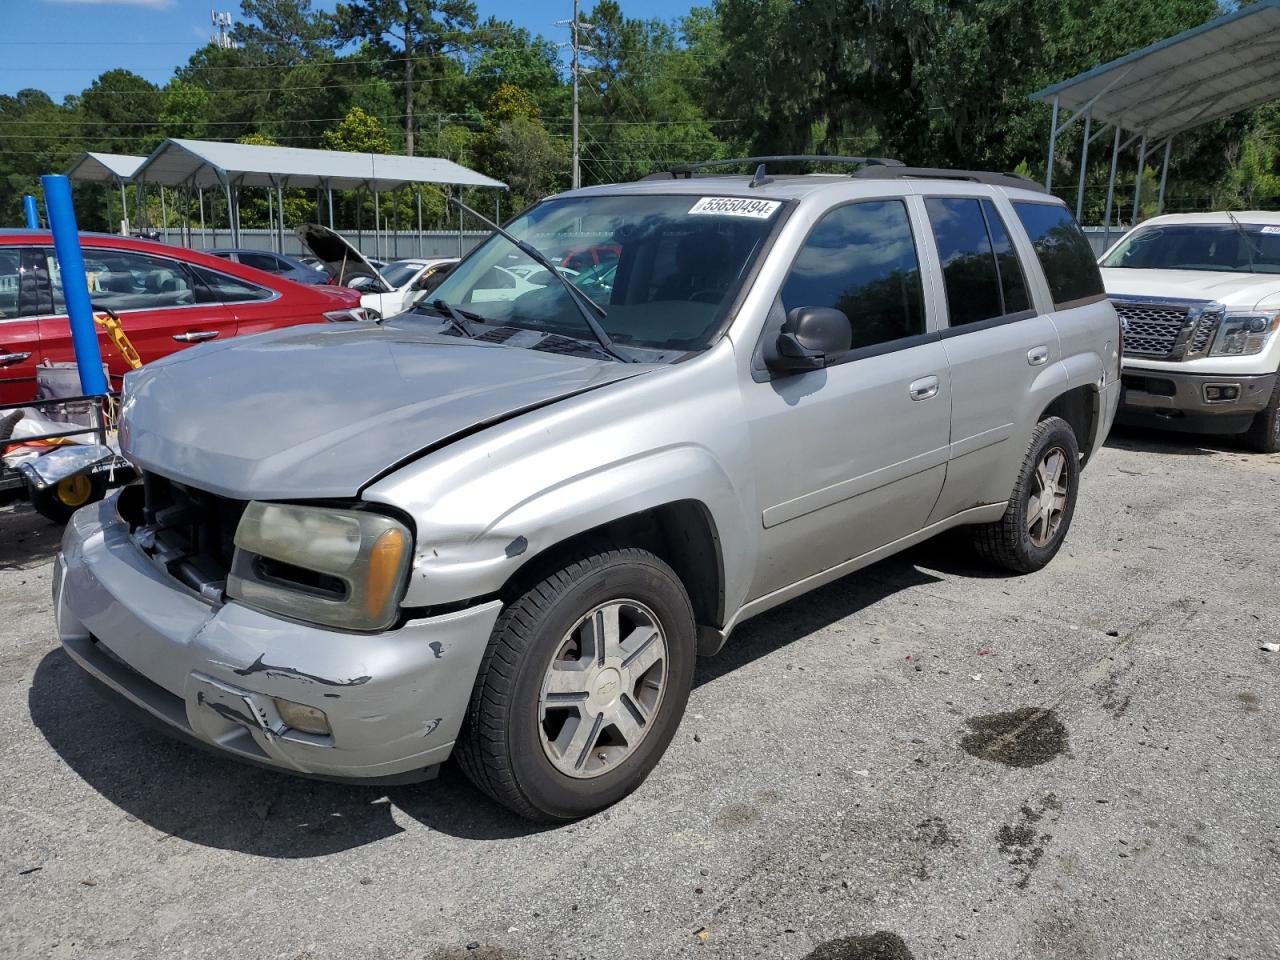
1263, 434
1041, 506
583, 686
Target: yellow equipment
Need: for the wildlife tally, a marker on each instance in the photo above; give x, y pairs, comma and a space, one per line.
121, 339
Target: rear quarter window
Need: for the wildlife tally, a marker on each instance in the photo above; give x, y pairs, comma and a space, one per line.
1064, 253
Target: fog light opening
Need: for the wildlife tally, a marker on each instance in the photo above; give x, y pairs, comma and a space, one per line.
302, 718
1221, 392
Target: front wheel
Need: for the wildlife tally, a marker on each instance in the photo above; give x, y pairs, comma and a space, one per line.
583, 686
1263, 434
1042, 504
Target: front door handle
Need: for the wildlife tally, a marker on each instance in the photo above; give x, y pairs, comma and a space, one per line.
195, 336
924, 388
1038, 356
9, 359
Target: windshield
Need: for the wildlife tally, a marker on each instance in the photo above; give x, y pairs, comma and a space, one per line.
668, 267
1248, 248
399, 273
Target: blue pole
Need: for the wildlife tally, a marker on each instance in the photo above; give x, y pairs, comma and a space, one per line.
33, 214
75, 288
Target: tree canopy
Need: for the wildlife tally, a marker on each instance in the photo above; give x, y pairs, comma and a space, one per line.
933, 82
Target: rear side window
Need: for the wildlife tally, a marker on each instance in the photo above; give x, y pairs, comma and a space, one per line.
214, 286
1064, 253
262, 261
861, 259
980, 270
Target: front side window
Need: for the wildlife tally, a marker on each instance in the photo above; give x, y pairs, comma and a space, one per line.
680, 260
861, 260
1064, 253
124, 280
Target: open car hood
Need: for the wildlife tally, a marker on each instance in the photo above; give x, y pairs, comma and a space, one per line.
342, 261
321, 411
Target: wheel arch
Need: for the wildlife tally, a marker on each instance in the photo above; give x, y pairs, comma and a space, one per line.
1081, 408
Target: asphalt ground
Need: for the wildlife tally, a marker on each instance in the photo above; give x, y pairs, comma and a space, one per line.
924, 760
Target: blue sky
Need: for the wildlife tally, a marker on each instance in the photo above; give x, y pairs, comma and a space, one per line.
60, 46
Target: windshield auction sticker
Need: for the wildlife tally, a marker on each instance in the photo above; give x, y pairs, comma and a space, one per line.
736, 207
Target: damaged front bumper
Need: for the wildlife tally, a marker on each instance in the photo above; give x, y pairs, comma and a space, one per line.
394, 701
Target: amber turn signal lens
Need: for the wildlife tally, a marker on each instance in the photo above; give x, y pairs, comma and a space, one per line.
384, 570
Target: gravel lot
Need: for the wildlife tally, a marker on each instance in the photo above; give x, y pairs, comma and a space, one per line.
924, 760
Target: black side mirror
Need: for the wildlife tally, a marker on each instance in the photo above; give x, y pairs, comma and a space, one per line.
811, 338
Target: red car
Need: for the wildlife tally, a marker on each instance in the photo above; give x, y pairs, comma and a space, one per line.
167, 298
583, 258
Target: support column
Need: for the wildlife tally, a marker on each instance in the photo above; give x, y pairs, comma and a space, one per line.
204, 243
1164, 175
1137, 181
329, 193
377, 226
1053, 142
1111, 188
124, 208
1084, 162
280, 220
418, 197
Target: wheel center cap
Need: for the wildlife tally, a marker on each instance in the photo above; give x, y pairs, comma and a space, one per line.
607, 686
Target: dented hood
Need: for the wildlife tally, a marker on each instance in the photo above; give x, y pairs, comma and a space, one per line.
320, 411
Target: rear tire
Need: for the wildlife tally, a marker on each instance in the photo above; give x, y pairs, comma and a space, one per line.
560, 726
1263, 434
1041, 505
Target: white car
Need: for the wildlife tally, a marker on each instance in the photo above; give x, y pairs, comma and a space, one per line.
407, 279
1200, 298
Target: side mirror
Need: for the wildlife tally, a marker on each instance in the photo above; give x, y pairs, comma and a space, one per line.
811, 338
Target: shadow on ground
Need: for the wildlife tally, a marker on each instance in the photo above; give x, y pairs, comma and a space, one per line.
26, 538
1141, 440
206, 799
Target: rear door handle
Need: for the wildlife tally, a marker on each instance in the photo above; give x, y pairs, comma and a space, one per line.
9, 359
924, 388
195, 336
1038, 356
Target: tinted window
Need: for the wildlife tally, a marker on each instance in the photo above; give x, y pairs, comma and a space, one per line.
968, 262
262, 261
1012, 283
124, 280
861, 259
1063, 251
9, 281
214, 286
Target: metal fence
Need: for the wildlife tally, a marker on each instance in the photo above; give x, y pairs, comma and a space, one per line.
387, 245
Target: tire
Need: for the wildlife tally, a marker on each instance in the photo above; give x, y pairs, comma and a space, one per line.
59, 501
510, 743
1014, 543
1263, 434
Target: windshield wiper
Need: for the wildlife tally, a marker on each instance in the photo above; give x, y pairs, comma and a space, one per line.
1248, 244
585, 304
455, 317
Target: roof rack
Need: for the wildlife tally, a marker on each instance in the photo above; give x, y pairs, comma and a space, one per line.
1015, 180
687, 170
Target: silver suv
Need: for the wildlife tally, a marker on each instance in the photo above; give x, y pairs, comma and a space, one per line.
501, 526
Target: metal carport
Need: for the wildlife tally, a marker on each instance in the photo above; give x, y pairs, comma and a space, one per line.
201, 165
1211, 71
113, 168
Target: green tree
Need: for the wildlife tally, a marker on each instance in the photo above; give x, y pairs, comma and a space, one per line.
408, 31
284, 32
185, 110
357, 132
517, 149
119, 111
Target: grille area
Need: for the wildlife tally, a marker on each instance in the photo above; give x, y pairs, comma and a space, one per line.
188, 533
1152, 329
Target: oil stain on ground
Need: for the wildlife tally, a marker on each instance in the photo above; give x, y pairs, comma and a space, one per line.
881, 945
1026, 737
1023, 842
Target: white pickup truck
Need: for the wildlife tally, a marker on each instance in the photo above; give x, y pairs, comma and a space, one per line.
1199, 295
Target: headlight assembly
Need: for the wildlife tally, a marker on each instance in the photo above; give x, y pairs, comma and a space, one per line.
324, 565
1240, 336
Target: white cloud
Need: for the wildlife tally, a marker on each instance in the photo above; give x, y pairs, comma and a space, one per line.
152, 4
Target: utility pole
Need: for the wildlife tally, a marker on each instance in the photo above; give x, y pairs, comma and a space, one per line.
576, 43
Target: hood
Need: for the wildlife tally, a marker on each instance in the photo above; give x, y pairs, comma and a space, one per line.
320, 411
342, 261
1237, 290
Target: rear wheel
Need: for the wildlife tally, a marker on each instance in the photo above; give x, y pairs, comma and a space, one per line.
59, 501
1263, 434
582, 687
1042, 503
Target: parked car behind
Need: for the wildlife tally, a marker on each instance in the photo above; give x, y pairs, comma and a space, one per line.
406, 280
1200, 295
290, 268
503, 525
167, 298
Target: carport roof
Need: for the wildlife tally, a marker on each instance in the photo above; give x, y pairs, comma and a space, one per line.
1211, 71
205, 163
105, 167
